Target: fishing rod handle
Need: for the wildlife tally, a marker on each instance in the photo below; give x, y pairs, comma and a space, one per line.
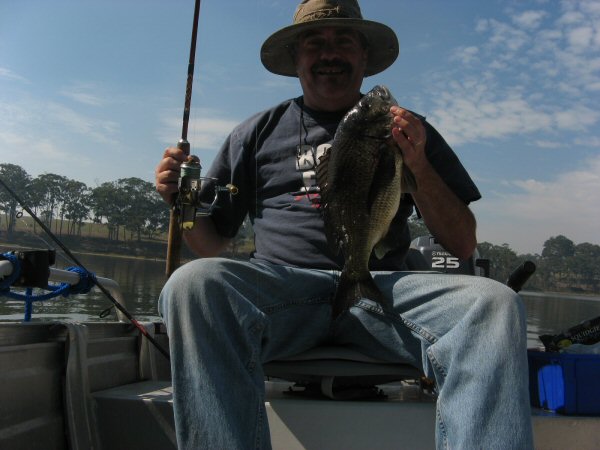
175, 235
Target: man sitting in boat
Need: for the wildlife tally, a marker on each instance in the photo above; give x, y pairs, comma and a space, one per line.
226, 318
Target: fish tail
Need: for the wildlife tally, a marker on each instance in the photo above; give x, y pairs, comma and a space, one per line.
350, 291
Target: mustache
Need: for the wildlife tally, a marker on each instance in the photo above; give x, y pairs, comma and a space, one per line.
333, 64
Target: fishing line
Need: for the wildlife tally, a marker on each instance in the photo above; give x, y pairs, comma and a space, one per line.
29, 229
67, 252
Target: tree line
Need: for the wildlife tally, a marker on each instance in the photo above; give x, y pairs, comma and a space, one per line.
563, 266
128, 205
130, 208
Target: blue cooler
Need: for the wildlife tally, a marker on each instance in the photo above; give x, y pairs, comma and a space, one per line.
565, 383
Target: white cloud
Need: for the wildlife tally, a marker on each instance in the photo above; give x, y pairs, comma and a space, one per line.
40, 120
45, 136
529, 19
99, 130
536, 72
571, 17
85, 94
580, 38
10, 75
591, 7
42, 154
592, 141
206, 130
548, 144
472, 112
577, 118
465, 55
566, 205
85, 98
534, 81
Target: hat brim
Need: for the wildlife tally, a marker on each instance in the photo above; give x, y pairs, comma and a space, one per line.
277, 56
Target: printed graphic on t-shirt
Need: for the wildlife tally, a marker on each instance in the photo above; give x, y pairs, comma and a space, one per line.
307, 159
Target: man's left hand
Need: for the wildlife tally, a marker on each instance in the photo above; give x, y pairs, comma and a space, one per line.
410, 135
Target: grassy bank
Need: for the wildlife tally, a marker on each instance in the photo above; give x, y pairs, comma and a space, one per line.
94, 240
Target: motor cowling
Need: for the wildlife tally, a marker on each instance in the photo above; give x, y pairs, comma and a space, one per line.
426, 253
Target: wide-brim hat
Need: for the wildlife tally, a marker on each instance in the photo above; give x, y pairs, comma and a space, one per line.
276, 53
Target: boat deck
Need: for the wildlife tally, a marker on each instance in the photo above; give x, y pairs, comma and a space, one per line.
80, 386
406, 419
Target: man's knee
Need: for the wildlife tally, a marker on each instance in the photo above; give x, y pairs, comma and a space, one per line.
501, 297
502, 309
190, 285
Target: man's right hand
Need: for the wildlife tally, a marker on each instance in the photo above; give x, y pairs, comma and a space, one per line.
166, 174
203, 239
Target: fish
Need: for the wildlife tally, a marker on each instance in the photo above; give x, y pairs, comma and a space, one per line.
361, 179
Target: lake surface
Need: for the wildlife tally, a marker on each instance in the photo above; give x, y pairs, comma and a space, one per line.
141, 282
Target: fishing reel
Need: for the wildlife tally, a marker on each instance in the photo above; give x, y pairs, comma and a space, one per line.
188, 199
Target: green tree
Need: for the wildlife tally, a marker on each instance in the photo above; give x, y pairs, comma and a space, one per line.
50, 187
558, 247
555, 262
35, 196
584, 268
139, 205
108, 204
503, 260
18, 180
76, 205
159, 216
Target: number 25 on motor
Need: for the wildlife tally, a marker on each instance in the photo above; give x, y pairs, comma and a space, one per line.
445, 262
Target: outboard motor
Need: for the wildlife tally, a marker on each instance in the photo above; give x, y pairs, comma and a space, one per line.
426, 253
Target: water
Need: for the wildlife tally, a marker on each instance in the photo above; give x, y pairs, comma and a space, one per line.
552, 313
141, 282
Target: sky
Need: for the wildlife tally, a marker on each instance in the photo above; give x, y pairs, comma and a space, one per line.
94, 90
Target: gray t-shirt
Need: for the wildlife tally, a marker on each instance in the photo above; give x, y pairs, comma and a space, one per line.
271, 157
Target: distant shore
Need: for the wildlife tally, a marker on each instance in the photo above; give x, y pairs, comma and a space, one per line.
154, 250
563, 295
94, 246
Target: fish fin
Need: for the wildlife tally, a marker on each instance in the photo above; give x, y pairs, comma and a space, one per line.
392, 238
322, 173
334, 241
390, 241
382, 248
408, 181
350, 291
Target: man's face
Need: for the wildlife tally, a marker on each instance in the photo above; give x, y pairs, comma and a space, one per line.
330, 63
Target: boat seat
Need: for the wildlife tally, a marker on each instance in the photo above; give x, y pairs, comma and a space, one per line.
344, 373
339, 372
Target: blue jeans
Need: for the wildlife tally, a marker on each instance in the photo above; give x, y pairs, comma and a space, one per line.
225, 318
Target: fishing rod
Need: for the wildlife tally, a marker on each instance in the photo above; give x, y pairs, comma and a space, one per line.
175, 219
105, 291
185, 203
